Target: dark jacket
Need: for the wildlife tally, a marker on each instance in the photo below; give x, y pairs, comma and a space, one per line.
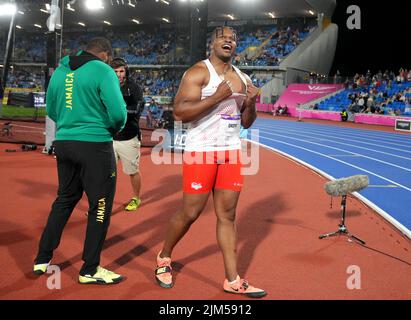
133, 96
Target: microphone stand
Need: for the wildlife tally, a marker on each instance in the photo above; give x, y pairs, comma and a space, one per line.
342, 227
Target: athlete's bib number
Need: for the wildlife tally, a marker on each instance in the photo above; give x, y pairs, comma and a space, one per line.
229, 130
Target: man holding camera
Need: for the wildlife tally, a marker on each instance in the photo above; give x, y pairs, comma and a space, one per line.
127, 142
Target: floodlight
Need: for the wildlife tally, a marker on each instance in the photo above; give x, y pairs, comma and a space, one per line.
7, 9
94, 4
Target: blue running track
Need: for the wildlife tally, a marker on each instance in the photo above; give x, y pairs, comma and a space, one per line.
340, 152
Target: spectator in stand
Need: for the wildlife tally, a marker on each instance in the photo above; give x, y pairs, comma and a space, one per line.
370, 102
283, 111
391, 112
353, 108
378, 110
275, 111
153, 107
361, 104
368, 77
344, 115
337, 77
279, 110
401, 76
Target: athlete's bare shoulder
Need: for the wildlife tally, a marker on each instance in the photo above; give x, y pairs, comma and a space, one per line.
198, 73
199, 67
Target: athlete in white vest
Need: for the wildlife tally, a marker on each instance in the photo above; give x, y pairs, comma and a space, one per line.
215, 99
219, 128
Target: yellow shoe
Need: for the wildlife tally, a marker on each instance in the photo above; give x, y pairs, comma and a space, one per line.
102, 276
40, 268
133, 204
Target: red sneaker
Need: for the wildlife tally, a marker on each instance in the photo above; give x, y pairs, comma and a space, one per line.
241, 286
163, 272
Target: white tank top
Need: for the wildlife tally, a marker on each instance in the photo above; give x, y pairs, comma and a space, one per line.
220, 128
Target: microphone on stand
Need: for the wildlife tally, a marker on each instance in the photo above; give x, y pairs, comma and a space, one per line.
342, 187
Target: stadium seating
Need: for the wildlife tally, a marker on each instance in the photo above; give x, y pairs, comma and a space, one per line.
384, 97
154, 47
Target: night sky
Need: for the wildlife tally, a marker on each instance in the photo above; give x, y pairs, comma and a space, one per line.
383, 42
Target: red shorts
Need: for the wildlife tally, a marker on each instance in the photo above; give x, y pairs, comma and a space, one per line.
205, 171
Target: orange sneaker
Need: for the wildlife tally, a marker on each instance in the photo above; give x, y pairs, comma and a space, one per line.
241, 286
163, 272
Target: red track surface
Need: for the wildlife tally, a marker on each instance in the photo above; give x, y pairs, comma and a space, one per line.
281, 212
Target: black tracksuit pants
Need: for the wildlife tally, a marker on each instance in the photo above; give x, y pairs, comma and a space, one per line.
89, 167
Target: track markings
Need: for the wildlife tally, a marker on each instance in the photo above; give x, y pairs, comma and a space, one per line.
382, 186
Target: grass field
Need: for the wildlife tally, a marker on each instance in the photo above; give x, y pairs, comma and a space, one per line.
21, 112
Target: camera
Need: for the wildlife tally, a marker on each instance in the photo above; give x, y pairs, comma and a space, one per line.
28, 147
50, 151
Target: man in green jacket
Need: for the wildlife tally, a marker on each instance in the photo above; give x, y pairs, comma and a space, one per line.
85, 101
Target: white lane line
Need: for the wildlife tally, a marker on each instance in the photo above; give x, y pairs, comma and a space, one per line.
338, 149
342, 143
388, 136
394, 139
398, 142
382, 186
345, 138
343, 162
346, 155
367, 201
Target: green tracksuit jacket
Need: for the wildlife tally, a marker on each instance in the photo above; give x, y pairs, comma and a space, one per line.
85, 100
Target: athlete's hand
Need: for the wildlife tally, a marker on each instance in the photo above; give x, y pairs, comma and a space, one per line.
224, 90
252, 91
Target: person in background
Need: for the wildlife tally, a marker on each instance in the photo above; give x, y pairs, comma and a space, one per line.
344, 115
127, 142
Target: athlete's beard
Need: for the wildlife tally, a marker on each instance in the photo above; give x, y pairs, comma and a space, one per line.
224, 58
